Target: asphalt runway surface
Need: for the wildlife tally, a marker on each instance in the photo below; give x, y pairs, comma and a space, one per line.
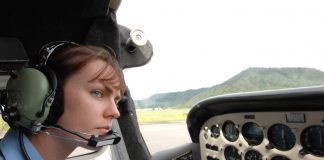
163, 136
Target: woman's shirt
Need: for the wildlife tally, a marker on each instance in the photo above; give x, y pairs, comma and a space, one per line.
10, 149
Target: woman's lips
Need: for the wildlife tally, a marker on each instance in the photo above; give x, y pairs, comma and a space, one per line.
103, 130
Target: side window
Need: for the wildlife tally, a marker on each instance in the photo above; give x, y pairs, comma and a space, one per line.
3, 125
3, 128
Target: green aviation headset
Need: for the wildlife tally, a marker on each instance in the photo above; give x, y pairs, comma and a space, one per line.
30, 92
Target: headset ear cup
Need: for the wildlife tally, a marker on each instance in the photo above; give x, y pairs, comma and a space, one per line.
57, 108
49, 100
27, 93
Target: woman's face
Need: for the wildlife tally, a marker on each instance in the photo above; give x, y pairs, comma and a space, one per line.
90, 104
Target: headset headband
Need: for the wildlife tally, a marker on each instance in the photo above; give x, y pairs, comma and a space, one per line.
47, 50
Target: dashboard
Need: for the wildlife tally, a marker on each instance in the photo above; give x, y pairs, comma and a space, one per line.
263, 135
286, 124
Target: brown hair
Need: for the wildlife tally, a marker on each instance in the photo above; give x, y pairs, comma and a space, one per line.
70, 60
73, 59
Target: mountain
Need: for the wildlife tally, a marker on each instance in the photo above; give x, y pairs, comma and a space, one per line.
251, 79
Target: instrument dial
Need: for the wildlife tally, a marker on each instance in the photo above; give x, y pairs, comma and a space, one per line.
231, 153
252, 133
281, 137
215, 131
253, 155
230, 131
312, 139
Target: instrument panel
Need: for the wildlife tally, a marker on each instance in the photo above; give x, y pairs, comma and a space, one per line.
263, 136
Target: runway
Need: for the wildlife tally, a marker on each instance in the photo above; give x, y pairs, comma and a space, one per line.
162, 136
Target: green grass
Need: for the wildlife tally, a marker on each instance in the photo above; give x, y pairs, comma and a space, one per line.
147, 116
166, 115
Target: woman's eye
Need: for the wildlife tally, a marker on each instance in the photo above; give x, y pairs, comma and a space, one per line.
97, 93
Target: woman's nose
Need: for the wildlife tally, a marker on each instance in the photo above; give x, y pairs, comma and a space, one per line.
112, 110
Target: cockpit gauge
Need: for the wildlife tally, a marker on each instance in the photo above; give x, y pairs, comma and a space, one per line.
230, 131
215, 131
231, 153
279, 158
281, 137
252, 133
253, 155
312, 140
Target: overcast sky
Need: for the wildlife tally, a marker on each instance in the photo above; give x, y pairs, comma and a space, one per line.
203, 43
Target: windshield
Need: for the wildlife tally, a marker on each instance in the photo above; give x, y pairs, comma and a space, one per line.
208, 48
205, 43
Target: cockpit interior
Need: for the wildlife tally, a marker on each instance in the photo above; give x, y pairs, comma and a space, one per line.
282, 124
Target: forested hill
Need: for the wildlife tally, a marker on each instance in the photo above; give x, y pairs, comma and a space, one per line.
251, 79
